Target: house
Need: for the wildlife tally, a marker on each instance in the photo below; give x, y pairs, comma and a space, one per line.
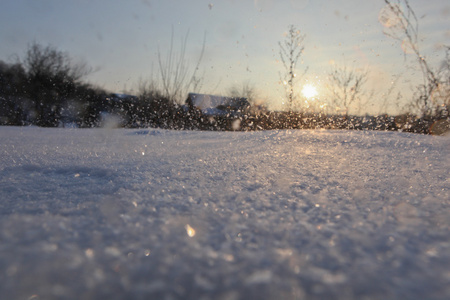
217, 112
217, 106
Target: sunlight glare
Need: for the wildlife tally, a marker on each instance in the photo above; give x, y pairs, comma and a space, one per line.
309, 91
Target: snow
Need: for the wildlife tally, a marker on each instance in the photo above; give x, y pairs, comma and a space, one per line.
160, 214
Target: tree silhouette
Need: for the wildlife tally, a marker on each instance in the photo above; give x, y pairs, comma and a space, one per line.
246, 90
290, 51
176, 75
52, 79
347, 87
401, 23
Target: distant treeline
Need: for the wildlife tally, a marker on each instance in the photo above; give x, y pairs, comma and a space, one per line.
46, 89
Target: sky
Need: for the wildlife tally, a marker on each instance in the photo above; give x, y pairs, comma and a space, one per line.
121, 40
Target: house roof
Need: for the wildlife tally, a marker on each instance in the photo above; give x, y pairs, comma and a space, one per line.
217, 105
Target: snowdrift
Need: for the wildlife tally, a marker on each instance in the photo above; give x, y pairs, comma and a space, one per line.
159, 214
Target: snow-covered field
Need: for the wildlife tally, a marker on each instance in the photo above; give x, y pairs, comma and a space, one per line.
158, 214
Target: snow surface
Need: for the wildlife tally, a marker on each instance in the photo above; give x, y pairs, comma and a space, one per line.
158, 214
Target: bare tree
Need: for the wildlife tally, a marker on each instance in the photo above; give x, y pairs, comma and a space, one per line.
51, 62
246, 90
52, 78
401, 23
177, 76
387, 96
347, 88
290, 51
441, 95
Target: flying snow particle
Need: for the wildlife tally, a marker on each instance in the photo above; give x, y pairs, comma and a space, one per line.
189, 230
236, 124
89, 253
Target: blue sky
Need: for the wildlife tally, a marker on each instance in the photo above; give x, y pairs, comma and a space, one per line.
121, 38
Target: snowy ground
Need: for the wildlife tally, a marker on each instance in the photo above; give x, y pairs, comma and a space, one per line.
156, 214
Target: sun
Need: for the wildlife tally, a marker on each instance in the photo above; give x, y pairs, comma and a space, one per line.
309, 91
